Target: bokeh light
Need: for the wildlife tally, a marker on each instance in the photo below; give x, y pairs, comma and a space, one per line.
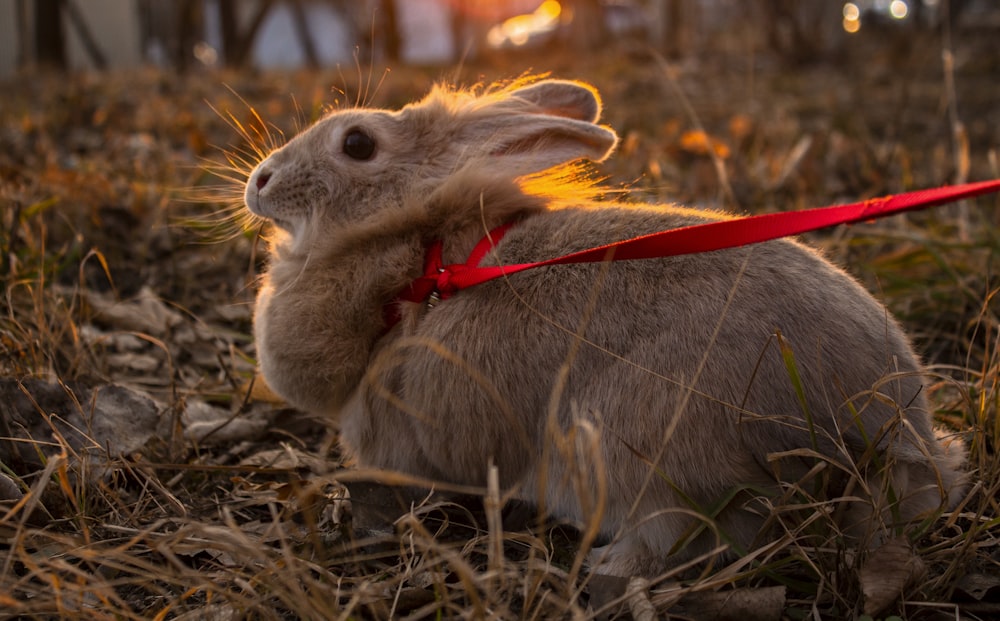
518, 30
852, 17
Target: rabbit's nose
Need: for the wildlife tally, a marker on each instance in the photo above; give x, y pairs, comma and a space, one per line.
262, 179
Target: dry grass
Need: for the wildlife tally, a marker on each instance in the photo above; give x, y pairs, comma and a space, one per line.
250, 522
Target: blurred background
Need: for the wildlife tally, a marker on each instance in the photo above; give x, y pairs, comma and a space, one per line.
128, 128
185, 34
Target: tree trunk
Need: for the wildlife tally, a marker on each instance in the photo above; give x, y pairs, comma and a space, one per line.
86, 37
390, 28
189, 29
50, 44
459, 27
229, 29
673, 29
302, 31
238, 49
588, 30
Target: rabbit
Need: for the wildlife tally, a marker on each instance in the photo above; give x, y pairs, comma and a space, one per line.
647, 397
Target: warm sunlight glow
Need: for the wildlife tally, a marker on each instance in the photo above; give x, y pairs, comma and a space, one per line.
549, 9
852, 18
518, 30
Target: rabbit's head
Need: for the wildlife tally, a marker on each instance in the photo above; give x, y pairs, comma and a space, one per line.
363, 166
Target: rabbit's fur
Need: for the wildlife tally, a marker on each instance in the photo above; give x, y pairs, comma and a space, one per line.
640, 392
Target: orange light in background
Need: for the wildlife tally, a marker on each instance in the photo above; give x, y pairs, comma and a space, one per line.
548, 10
518, 30
700, 143
852, 18
740, 127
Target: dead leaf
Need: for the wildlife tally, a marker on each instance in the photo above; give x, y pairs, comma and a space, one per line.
607, 595
740, 126
751, 604
146, 313
979, 588
101, 421
207, 423
376, 507
700, 143
887, 573
410, 599
9, 491
286, 457
215, 612
135, 363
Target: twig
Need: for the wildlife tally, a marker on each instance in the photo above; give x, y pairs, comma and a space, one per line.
637, 596
960, 138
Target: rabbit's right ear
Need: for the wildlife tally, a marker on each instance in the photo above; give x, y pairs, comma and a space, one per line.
574, 100
526, 144
541, 126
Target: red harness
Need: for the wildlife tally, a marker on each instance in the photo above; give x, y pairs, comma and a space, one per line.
441, 281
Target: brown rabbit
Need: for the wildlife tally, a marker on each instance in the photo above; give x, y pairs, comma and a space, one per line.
651, 394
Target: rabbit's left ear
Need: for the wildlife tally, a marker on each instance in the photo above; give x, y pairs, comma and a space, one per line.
541, 126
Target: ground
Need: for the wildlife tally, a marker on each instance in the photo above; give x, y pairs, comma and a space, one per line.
128, 285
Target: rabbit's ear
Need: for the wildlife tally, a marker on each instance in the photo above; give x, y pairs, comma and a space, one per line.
574, 100
530, 143
541, 126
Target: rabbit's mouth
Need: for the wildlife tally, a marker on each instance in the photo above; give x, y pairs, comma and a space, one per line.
293, 226
281, 223
255, 205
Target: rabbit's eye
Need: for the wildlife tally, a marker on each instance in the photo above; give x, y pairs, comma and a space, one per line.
358, 145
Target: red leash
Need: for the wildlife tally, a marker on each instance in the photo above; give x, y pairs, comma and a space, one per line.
444, 280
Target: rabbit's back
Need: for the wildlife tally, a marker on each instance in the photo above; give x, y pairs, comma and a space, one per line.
658, 323
677, 362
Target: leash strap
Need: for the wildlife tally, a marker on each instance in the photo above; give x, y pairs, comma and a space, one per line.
444, 280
